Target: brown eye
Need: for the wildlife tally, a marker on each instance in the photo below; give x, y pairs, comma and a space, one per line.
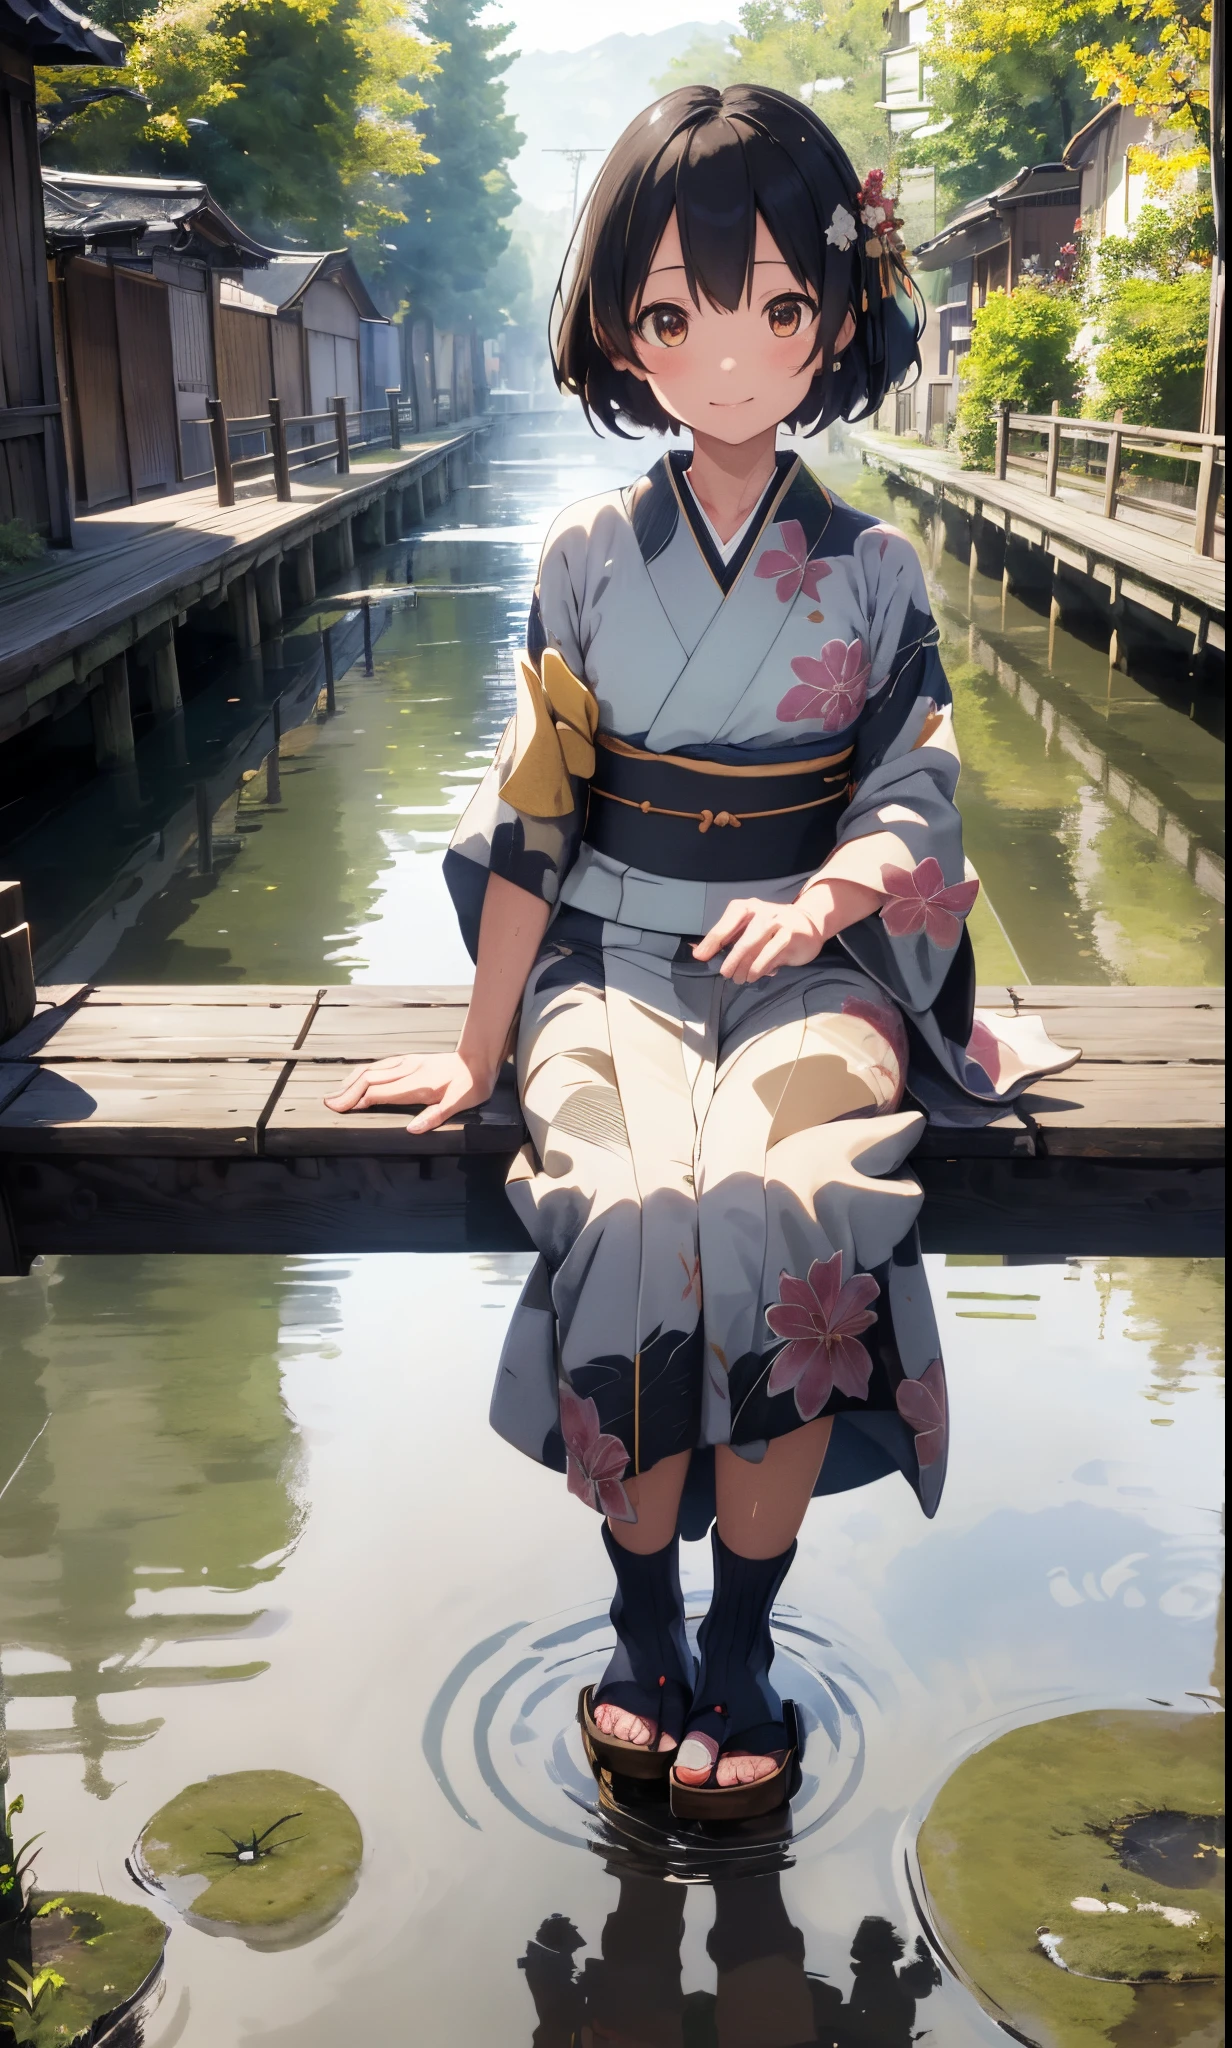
663, 326
786, 317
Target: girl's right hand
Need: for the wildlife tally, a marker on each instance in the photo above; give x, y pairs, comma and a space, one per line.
446, 1081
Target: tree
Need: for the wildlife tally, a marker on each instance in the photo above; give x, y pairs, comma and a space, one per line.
1153, 350
1012, 80
437, 256
1021, 353
291, 110
829, 57
1007, 86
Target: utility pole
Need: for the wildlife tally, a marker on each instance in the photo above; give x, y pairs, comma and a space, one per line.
576, 157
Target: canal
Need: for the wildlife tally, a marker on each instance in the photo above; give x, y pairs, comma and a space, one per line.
261, 1522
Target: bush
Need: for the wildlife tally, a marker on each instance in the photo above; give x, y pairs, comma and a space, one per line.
1153, 355
18, 544
1020, 351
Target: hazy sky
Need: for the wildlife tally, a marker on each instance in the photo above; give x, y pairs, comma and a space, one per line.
563, 25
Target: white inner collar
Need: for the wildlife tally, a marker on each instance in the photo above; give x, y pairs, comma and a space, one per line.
724, 548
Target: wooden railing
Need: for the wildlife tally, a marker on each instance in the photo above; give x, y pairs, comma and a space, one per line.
1173, 476
373, 427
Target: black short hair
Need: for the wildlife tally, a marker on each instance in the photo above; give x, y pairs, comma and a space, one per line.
718, 159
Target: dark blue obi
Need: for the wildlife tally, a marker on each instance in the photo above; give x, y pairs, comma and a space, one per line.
706, 821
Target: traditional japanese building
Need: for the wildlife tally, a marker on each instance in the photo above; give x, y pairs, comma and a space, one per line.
34, 479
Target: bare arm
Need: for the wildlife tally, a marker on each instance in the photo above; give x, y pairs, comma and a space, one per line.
510, 931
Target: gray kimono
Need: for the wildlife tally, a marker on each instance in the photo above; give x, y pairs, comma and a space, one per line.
715, 1177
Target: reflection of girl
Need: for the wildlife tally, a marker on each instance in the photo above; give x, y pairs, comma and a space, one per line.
728, 791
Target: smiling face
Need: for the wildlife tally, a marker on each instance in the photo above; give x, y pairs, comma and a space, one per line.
730, 375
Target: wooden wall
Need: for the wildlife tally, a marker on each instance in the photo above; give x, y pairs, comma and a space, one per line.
33, 476
126, 433
245, 360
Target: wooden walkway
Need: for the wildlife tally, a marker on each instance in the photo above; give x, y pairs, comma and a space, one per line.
1132, 563
138, 567
191, 1120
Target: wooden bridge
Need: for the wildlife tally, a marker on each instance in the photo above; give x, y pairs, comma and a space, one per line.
191, 1120
1138, 555
70, 629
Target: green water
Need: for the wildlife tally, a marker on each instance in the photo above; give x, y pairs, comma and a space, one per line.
252, 1515
1092, 813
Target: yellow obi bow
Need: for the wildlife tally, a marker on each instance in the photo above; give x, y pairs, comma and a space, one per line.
557, 718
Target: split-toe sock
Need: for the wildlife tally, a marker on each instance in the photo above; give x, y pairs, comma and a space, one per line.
651, 1670
735, 1707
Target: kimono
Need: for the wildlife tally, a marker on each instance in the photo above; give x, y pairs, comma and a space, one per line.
715, 1178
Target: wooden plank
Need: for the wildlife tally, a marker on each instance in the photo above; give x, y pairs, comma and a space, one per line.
378, 1031
300, 1124
354, 994
14, 1076
174, 995
1130, 1031
1119, 1111
190, 1109
1035, 1207
1035, 995
46, 1021
135, 1031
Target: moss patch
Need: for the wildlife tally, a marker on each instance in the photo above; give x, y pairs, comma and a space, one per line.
1034, 1822
104, 1949
263, 1855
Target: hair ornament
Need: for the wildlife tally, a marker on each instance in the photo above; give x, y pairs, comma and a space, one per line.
841, 232
885, 246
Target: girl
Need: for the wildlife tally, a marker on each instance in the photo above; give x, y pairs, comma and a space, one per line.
717, 865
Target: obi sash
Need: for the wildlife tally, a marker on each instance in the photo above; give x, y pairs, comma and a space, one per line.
703, 821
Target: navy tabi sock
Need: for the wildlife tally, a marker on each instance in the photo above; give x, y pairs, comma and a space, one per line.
735, 1705
652, 1668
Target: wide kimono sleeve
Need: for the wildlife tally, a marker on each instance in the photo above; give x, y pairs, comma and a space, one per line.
525, 820
901, 834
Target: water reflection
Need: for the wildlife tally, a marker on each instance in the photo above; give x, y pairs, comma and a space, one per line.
1092, 801
631, 1995
158, 1496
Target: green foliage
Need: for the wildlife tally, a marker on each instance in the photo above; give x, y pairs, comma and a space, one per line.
1012, 80
1034, 1822
1007, 89
289, 109
19, 544
439, 254
1021, 351
1153, 351
1166, 241
829, 57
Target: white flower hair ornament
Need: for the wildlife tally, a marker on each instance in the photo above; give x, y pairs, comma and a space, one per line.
841, 232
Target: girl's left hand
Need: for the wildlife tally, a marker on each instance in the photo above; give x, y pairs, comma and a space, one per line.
762, 937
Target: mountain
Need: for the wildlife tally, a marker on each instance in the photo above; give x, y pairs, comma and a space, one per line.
581, 99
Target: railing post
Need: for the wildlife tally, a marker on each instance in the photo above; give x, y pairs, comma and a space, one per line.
1003, 439
1054, 448
1112, 470
392, 400
327, 657
1207, 500
278, 437
221, 445
340, 429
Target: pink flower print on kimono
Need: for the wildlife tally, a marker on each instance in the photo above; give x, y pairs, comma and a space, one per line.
832, 688
984, 1047
922, 1405
790, 566
889, 1022
821, 1319
596, 1462
921, 902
